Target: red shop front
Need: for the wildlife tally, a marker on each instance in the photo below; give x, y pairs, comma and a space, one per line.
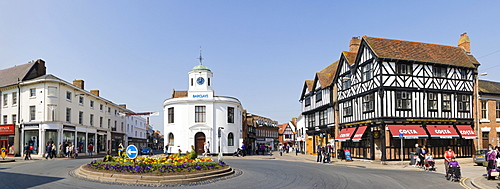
7, 138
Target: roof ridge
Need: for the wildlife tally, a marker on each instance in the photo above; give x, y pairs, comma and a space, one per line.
413, 42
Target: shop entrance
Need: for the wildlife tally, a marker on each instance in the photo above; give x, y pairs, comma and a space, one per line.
199, 141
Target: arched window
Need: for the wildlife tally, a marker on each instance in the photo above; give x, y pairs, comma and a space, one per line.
171, 139
230, 139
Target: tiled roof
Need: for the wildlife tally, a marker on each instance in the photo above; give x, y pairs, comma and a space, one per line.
310, 84
326, 75
350, 56
489, 87
176, 94
10, 75
423, 52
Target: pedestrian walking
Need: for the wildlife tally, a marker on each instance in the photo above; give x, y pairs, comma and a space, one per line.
448, 155
206, 149
53, 151
328, 151
418, 151
243, 149
91, 150
68, 150
48, 150
281, 149
319, 150
263, 148
61, 150
120, 149
75, 152
491, 157
27, 152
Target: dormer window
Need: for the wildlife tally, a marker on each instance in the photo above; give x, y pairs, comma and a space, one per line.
308, 101
319, 96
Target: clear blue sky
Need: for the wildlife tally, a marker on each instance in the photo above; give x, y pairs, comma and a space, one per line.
136, 52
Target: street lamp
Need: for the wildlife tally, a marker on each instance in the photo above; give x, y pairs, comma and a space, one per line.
219, 134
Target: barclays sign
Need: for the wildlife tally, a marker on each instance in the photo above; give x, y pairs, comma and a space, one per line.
200, 96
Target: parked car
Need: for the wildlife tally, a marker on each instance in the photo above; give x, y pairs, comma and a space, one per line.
480, 156
146, 151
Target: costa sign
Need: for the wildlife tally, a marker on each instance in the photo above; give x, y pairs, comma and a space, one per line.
443, 132
345, 135
408, 131
467, 132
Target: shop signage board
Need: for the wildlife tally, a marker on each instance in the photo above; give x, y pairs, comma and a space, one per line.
347, 154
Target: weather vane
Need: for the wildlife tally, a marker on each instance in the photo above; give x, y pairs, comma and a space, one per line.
200, 58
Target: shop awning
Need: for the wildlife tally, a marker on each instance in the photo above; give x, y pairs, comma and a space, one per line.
442, 131
345, 134
466, 131
408, 131
359, 133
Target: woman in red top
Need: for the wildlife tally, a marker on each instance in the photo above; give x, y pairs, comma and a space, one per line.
447, 158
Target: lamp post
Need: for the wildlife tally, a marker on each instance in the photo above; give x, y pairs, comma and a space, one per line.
219, 135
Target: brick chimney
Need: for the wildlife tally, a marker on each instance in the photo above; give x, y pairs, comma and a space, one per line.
95, 92
464, 42
123, 106
79, 83
354, 44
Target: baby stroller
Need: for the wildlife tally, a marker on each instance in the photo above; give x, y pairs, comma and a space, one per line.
453, 174
430, 166
238, 153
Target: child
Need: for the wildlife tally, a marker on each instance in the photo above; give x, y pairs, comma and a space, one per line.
454, 170
429, 162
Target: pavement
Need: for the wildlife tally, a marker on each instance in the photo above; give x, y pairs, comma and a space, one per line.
473, 176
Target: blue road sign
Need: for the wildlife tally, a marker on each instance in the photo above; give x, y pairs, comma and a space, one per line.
132, 151
400, 135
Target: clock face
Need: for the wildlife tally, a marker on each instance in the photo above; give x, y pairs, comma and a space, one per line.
200, 81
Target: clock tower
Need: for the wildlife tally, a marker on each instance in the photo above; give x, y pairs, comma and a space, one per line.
200, 82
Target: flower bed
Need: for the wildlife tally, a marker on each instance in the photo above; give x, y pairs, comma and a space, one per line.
157, 165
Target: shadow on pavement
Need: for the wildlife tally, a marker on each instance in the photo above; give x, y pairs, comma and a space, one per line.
25, 180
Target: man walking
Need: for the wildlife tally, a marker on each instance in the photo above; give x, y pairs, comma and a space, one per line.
328, 151
91, 150
319, 150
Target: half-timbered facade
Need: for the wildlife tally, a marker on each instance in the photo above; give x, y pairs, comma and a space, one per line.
391, 87
317, 106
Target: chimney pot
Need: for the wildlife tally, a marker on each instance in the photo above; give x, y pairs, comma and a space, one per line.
123, 106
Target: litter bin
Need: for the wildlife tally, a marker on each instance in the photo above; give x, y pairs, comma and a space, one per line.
413, 158
340, 154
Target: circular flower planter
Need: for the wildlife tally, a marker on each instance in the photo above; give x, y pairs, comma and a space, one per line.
158, 180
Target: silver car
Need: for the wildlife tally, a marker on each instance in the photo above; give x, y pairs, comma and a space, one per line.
480, 157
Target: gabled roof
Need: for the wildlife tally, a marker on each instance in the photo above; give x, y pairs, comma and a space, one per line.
417, 51
10, 76
489, 87
326, 75
176, 94
350, 57
310, 84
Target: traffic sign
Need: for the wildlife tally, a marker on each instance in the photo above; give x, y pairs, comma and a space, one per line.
4, 153
400, 135
132, 151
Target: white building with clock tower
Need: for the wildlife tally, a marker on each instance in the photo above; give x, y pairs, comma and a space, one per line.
196, 116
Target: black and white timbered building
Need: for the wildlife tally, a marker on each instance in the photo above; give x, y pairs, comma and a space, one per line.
318, 107
390, 88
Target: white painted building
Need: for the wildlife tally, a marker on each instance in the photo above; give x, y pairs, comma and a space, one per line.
44, 108
136, 131
194, 116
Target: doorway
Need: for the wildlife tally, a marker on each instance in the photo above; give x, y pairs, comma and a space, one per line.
199, 142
